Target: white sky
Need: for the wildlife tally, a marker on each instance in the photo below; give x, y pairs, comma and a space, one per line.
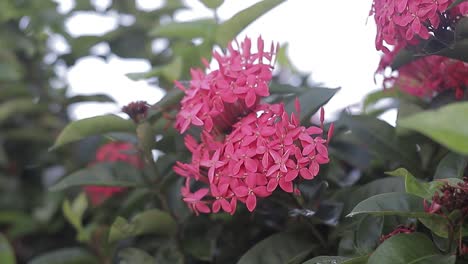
330, 39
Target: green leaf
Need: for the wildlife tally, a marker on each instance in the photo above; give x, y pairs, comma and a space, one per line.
97, 125
368, 233
337, 260
228, 30
118, 174
451, 166
135, 255
402, 204
447, 125
383, 185
414, 186
103, 98
203, 28
413, 248
213, 4
18, 106
311, 100
284, 246
152, 221
74, 211
65, 256
381, 139
7, 255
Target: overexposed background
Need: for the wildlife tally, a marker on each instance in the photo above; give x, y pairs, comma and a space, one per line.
329, 39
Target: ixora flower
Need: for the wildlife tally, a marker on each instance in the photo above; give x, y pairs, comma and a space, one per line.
408, 21
449, 199
427, 76
247, 149
112, 152
217, 99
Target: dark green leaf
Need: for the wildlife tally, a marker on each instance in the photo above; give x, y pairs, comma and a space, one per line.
7, 255
413, 248
117, 174
228, 30
283, 247
385, 185
311, 100
402, 204
135, 255
97, 125
381, 139
451, 166
65, 256
447, 125
368, 234
152, 221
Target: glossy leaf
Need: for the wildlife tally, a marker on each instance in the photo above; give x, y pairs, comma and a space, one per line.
65, 256
285, 246
153, 221
97, 125
402, 204
413, 248
447, 125
7, 255
451, 166
117, 174
415, 186
229, 29
311, 100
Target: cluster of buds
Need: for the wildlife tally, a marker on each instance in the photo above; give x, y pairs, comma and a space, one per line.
449, 199
401, 229
247, 149
136, 110
112, 152
406, 22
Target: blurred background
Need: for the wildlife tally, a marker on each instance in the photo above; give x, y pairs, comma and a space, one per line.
330, 39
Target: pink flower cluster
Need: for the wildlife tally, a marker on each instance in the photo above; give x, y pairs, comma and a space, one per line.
428, 76
408, 21
112, 152
247, 150
217, 99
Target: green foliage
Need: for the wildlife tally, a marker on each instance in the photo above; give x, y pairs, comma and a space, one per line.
83, 128
103, 174
284, 245
152, 221
439, 125
148, 221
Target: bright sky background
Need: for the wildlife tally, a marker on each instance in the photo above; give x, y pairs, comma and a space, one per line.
330, 39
